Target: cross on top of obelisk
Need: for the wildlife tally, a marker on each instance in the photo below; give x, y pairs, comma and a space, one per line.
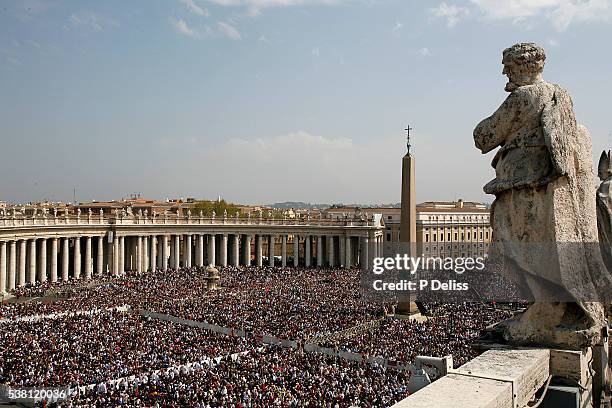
408, 129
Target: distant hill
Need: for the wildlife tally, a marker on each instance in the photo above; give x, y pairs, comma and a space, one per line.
298, 204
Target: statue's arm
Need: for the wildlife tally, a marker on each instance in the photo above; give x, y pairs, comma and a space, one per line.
492, 131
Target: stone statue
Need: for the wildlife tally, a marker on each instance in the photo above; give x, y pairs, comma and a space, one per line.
544, 217
604, 208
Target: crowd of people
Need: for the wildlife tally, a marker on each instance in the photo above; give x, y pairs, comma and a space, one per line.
86, 349
67, 349
449, 330
272, 377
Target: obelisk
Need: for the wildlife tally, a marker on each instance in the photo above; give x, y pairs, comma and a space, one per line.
408, 214
407, 237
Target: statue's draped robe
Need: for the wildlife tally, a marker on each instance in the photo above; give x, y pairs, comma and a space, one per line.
604, 221
544, 216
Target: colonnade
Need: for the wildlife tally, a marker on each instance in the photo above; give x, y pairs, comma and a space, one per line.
60, 258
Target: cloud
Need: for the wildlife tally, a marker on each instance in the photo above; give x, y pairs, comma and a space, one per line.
91, 20
181, 27
452, 13
398, 26
316, 52
194, 8
559, 13
13, 61
425, 52
303, 166
228, 30
327, 168
254, 7
33, 43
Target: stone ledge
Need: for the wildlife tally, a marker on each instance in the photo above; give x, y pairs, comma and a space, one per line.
495, 379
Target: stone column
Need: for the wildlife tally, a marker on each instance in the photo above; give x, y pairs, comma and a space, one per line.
2, 267
65, 258
320, 250
160, 251
139, 257
341, 262
53, 264
223, 252
271, 245
348, 253
121, 255
153, 253
88, 258
211, 249
374, 247
331, 251
177, 252
145, 253
77, 258
115, 267
236, 250
296, 250
100, 257
164, 251
307, 248
364, 260
258, 249
42, 261
200, 250
247, 250
188, 251
22, 263
12, 270
283, 250
32, 263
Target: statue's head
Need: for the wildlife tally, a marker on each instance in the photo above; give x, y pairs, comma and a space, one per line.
523, 64
604, 170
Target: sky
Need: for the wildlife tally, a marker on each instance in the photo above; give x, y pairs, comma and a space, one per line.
261, 101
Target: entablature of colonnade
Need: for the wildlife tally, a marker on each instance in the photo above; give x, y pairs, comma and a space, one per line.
43, 226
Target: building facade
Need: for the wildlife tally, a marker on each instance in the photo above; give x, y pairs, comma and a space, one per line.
444, 229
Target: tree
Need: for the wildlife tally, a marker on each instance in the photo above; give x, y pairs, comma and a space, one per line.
208, 206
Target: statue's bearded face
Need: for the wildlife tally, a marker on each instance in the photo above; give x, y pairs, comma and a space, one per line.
518, 76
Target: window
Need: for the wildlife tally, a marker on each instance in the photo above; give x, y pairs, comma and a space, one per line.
426, 237
468, 236
480, 234
455, 236
388, 236
449, 236
434, 236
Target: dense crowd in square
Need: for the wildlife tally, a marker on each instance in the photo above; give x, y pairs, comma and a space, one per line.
77, 341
